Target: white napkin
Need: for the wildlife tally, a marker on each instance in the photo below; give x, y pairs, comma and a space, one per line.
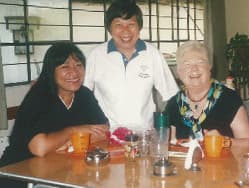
192, 145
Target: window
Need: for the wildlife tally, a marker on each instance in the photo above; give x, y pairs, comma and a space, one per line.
29, 27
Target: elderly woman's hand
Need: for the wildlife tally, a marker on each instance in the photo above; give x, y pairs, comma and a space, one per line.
211, 132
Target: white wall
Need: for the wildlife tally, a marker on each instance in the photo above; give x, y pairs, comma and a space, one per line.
237, 15
14, 95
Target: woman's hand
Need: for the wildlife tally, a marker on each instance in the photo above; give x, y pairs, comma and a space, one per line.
42, 143
211, 132
98, 132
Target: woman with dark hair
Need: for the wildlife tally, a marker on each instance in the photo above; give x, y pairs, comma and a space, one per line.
123, 71
56, 106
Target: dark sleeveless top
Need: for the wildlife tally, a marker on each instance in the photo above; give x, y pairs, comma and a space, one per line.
220, 117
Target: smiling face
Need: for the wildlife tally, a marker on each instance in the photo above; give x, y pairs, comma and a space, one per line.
125, 33
69, 76
194, 69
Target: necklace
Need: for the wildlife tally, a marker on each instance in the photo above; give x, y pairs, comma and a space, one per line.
197, 109
198, 100
197, 105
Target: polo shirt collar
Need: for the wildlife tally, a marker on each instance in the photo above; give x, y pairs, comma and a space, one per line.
140, 45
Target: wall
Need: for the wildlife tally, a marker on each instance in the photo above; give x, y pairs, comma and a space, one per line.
14, 95
237, 15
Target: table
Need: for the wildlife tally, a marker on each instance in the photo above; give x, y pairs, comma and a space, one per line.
70, 171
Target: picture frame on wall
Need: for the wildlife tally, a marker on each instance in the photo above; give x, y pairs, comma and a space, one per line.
19, 37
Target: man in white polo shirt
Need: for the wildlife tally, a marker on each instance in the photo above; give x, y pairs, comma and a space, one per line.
123, 71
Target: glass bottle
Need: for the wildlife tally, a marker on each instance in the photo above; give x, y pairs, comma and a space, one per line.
160, 138
160, 145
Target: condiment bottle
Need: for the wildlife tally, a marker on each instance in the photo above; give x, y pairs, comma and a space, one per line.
131, 147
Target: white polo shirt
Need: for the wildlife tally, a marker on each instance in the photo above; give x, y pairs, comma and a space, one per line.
125, 92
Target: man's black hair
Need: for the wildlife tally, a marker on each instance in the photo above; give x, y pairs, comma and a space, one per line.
123, 9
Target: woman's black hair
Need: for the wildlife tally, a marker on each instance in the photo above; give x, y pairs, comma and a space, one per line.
123, 9
56, 55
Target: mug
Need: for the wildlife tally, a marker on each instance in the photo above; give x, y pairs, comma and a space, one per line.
214, 145
80, 141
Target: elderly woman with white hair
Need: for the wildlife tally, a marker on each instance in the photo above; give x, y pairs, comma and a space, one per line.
204, 105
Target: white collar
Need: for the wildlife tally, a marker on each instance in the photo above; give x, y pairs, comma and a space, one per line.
70, 105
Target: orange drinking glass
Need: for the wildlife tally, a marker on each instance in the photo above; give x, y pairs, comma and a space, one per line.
80, 141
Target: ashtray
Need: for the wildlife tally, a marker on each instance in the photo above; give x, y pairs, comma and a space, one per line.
97, 157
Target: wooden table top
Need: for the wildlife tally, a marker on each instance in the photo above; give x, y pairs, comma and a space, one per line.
71, 171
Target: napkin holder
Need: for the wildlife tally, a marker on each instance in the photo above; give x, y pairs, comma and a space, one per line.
194, 155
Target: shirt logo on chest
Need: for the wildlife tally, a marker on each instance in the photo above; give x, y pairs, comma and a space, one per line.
144, 73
